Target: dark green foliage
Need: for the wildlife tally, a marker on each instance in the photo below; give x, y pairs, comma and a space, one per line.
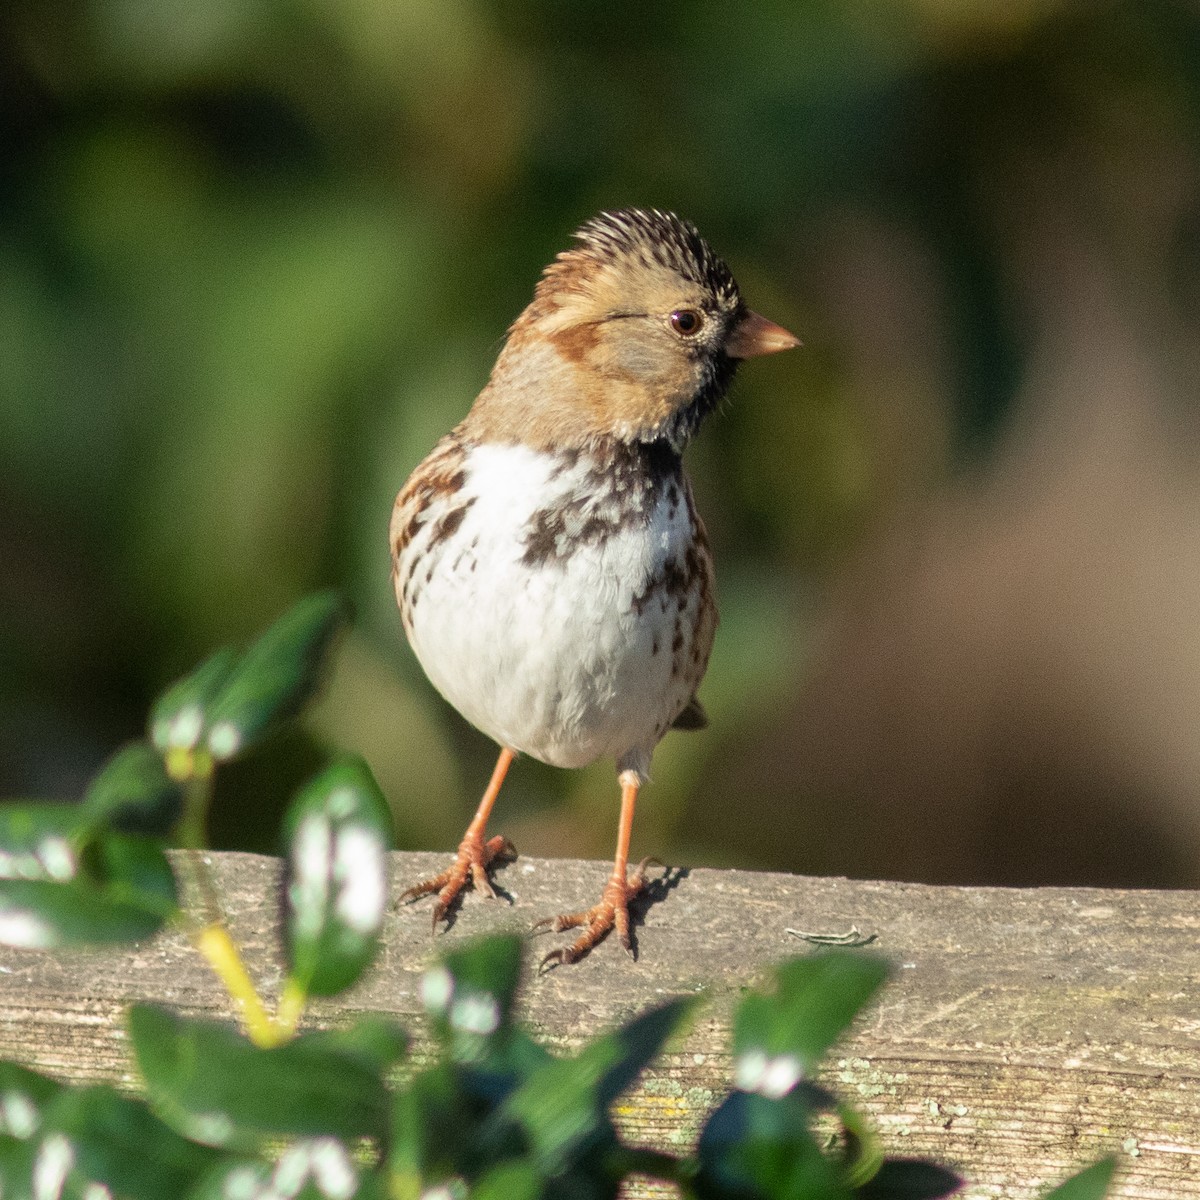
814, 1001
180, 716
310, 1169
905, 1179
133, 793
24, 1096
229, 702
561, 1107
65, 882
376, 1042
117, 1141
753, 1146
1089, 1184
495, 1116
209, 1083
275, 678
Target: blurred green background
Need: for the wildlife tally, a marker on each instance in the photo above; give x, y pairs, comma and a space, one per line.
257, 255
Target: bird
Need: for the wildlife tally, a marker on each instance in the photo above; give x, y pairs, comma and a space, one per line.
553, 576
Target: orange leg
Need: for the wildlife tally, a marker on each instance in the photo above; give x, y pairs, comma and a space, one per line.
474, 854
613, 909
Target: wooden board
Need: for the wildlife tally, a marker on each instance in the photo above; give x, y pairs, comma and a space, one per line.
1025, 1032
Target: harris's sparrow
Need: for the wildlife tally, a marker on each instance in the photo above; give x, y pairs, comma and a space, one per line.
552, 573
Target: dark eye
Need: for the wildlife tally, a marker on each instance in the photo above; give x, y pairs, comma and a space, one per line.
686, 321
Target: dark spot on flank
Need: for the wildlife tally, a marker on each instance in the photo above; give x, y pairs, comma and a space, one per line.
448, 525
672, 582
407, 534
541, 542
566, 461
654, 647
445, 485
677, 640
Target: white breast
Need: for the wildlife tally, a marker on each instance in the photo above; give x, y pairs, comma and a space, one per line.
561, 654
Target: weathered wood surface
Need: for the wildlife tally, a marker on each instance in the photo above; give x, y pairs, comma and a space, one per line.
1025, 1032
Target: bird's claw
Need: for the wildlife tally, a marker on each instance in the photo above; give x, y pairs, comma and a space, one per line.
611, 913
472, 860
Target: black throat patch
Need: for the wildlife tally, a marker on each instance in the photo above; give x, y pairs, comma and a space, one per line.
619, 486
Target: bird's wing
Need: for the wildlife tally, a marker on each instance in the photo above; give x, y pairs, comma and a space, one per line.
692, 717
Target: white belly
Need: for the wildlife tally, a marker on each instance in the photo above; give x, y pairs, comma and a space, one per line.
564, 659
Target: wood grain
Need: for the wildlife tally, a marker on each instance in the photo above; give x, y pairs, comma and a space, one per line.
1024, 1034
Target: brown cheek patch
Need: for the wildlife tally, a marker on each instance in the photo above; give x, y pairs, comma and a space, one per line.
577, 343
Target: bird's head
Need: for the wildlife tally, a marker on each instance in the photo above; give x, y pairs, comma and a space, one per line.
633, 333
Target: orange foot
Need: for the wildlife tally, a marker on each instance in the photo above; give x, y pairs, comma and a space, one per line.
612, 911
473, 858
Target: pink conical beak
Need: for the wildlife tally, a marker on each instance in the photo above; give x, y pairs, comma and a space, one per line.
756, 335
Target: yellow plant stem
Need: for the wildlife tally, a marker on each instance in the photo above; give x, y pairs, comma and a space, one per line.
214, 942
194, 769
291, 1008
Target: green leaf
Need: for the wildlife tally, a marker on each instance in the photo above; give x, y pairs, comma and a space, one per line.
445, 1123
40, 841
133, 793
275, 678
1090, 1184
627, 1051
18, 1161
336, 877
119, 889
319, 1168
780, 1038
752, 1146
134, 870
180, 715
563, 1107
24, 1095
909, 1179
376, 1042
116, 1141
862, 1155
558, 1111
469, 997
508, 1181
434, 1130
212, 1085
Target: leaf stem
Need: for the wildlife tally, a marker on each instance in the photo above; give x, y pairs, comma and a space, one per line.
194, 769
214, 942
291, 1007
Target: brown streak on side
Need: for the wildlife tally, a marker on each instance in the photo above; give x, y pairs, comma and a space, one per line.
440, 474
448, 525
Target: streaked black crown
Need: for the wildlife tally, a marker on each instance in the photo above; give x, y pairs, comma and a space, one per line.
652, 236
